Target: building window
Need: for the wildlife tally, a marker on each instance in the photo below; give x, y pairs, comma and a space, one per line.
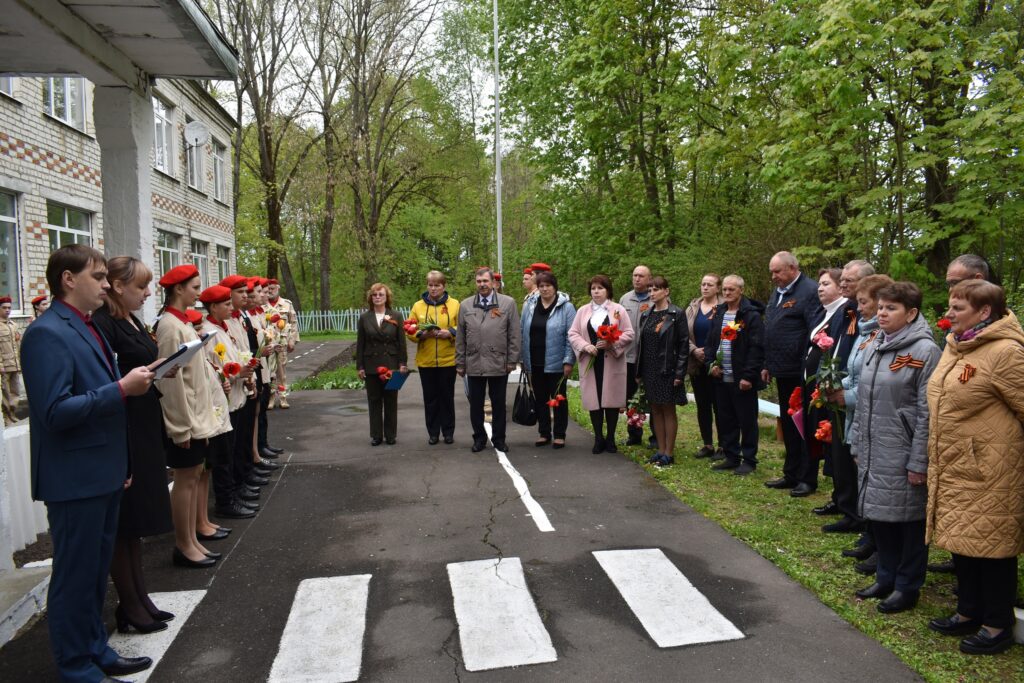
10, 283
220, 153
163, 136
194, 164
7, 85
64, 99
223, 262
65, 226
201, 259
168, 252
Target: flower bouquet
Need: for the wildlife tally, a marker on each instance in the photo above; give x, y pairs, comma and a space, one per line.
607, 333
824, 431
384, 373
637, 408
829, 379
412, 326
796, 409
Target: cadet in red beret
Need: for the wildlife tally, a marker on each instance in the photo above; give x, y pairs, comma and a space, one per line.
39, 306
528, 284
10, 365
178, 275
233, 281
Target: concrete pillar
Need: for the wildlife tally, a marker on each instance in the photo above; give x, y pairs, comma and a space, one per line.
124, 129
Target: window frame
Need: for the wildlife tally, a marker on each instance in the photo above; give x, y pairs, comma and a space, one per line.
223, 262
62, 230
193, 163
173, 253
9, 80
14, 251
71, 101
163, 132
219, 164
201, 260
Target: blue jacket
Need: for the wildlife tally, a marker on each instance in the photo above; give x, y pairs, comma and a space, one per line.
787, 327
79, 428
557, 350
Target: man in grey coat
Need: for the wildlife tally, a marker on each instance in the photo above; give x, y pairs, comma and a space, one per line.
486, 350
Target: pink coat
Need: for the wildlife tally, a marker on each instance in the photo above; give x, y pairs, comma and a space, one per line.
613, 389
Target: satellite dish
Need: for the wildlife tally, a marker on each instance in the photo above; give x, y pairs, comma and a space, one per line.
197, 133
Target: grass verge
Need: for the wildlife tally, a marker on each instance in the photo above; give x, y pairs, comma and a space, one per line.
783, 530
344, 377
328, 336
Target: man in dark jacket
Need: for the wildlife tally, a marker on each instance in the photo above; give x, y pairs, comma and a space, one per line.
792, 310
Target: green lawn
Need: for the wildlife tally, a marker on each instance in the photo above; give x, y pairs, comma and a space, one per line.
345, 377
783, 530
328, 336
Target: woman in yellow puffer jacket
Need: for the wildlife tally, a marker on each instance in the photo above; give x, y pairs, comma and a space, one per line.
976, 463
438, 317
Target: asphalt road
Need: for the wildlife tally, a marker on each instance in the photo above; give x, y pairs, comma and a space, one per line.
400, 515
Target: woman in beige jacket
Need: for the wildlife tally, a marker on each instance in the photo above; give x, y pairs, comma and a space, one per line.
976, 463
189, 415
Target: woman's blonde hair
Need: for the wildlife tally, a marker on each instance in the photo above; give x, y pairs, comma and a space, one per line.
129, 270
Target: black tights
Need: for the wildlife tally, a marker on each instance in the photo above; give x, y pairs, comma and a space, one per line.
126, 571
599, 417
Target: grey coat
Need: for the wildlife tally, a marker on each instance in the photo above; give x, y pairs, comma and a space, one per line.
891, 424
487, 343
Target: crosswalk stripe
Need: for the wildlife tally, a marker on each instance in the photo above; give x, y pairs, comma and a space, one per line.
670, 608
155, 645
323, 639
499, 625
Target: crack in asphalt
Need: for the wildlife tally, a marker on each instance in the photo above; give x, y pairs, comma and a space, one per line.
489, 527
445, 648
426, 479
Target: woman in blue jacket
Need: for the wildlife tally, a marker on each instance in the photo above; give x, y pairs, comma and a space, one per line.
547, 355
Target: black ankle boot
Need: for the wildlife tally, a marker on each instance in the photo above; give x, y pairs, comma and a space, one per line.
599, 445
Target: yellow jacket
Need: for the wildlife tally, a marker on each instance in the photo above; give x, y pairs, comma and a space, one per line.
431, 352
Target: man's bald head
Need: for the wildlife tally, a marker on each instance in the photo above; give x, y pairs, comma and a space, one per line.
784, 268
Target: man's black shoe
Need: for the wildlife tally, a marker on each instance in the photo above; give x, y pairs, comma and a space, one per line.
875, 590
726, 465
233, 511
449, 439
861, 552
274, 449
267, 453
868, 566
246, 495
780, 483
942, 567
899, 601
376, 442
248, 505
127, 665
829, 508
705, 452
254, 480
846, 525
500, 445
981, 643
744, 469
478, 446
433, 440
268, 464
802, 490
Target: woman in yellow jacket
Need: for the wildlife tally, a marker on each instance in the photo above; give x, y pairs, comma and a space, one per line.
976, 463
437, 316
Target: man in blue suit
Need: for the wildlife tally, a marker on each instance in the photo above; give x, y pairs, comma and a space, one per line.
79, 458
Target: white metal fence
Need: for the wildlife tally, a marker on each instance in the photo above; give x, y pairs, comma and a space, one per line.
334, 321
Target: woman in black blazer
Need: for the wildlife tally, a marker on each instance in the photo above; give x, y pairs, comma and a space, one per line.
145, 506
380, 342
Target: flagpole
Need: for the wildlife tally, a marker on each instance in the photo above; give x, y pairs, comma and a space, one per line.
497, 139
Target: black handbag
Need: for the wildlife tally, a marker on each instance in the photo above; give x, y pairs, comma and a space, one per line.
524, 408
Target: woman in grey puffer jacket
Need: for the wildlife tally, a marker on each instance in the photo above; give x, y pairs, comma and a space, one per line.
890, 428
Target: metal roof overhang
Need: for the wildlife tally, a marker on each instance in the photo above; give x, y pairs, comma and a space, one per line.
113, 42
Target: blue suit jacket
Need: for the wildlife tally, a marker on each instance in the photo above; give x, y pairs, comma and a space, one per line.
79, 429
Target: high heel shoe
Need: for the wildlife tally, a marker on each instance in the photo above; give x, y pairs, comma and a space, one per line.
123, 622
179, 560
161, 615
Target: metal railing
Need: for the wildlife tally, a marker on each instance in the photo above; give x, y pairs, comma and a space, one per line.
335, 321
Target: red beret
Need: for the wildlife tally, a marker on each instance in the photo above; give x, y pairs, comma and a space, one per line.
264, 282
527, 271
215, 295
179, 274
194, 316
39, 299
233, 281
541, 266
272, 281
5, 300
250, 283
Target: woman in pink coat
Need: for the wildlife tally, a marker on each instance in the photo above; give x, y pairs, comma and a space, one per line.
602, 363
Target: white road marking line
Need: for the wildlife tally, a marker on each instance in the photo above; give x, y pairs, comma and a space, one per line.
670, 608
155, 645
540, 518
499, 625
323, 639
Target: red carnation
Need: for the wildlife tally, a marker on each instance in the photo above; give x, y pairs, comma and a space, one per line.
944, 324
381, 369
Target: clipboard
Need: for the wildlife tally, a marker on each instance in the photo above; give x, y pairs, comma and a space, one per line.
180, 357
396, 382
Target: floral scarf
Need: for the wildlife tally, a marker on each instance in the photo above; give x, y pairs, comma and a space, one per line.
970, 334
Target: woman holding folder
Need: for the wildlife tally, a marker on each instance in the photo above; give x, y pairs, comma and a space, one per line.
380, 343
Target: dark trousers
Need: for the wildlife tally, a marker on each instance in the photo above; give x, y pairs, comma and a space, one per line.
547, 385
383, 409
707, 407
223, 475
902, 554
439, 400
83, 533
243, 422
635, 434
495, 387
737, 422
987, 589
844, 477
261, 432
797, 466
